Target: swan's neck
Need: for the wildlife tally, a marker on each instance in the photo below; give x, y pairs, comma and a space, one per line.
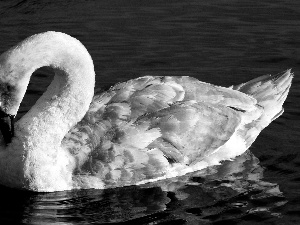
67, 98
38, 134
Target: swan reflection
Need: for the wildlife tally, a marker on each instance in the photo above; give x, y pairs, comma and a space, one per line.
234, 190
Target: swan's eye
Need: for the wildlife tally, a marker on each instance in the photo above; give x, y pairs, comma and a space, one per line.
6, 89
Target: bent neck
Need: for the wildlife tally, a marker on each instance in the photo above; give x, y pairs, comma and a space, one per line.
67, 98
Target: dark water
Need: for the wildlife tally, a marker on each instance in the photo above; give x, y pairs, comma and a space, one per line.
217, 41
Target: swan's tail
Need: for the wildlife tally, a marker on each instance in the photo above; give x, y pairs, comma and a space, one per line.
270, 93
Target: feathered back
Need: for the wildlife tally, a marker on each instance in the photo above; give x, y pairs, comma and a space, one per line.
140, 128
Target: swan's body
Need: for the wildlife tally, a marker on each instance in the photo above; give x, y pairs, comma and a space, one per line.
145, 129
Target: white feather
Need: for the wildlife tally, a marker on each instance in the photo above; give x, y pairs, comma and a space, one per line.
142, 130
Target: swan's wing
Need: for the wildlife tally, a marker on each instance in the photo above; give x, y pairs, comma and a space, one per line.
191, 131
139, 96
205, 92
134, 98
126, 152
137, 129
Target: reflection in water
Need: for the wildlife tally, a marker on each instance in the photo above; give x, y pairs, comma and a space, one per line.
232, 191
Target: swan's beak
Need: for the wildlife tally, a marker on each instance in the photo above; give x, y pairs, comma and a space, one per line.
6, 126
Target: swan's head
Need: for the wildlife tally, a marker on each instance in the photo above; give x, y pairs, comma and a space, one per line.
9, 105
13, 85
15, 68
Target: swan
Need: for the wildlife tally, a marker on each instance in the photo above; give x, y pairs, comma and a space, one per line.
139, 131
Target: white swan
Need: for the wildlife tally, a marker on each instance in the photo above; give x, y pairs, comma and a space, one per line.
145, 129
